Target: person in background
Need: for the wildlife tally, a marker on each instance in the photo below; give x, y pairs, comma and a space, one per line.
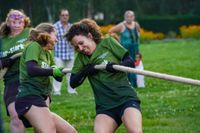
36, 67
14, 32
1, 119
116, 101
129, 32
64, 52
139, 66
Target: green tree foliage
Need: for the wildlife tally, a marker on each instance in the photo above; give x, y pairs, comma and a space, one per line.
113, 10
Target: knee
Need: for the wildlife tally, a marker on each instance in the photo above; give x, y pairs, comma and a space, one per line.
16, 122
135, 130
73, 130
67, 129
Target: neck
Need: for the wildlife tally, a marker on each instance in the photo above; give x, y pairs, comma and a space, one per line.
15, 33
129, 23
64, 22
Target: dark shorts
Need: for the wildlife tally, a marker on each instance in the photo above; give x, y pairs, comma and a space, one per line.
23, 104
117, 112
10, 93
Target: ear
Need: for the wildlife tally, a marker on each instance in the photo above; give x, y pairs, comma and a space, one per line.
90, 36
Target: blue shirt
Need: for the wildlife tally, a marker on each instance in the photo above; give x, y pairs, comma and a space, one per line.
63, 48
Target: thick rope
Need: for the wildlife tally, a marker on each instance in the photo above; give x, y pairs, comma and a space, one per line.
147, 73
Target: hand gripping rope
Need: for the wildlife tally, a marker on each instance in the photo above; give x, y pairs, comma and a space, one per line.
4, 70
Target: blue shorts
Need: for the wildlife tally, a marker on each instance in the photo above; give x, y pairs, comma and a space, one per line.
23, 104
10, 93
117, 112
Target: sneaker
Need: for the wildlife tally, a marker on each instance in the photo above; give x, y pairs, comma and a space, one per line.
57, 93
72, 91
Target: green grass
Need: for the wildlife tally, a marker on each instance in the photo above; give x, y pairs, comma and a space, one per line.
167, 107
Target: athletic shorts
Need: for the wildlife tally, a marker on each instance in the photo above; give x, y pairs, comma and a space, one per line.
23, 104
117, 112
10, 93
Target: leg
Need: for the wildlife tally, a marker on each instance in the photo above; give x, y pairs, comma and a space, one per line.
104, 124
41, 119
16, 125
62, 126
1, 120
132, 120
10, 92
56, 84
69, 64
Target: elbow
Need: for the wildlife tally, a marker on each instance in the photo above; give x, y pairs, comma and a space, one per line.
73, 84
75, 81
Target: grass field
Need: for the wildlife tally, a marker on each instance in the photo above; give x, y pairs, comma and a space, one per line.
167, 107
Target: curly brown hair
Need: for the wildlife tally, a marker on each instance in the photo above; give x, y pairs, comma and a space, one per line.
5, 29
84, 27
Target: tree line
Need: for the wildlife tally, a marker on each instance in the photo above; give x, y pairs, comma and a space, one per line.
111, 10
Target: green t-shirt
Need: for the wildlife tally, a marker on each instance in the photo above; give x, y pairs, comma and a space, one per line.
9, 47
38, 85
110, 89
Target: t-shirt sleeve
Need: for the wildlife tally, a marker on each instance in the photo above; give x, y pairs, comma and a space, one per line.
32, 52
116, 48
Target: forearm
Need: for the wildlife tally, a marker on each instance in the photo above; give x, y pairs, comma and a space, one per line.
77, 79
34, 70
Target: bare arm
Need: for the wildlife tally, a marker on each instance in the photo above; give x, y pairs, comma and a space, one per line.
116, 29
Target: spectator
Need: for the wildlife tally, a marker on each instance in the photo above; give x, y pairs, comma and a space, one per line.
129, 31
116, 101
64, 52
139, 66
36, 67
14, 32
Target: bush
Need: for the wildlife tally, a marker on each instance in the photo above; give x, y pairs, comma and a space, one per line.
149, 35
192, 31
104, 29
145, 35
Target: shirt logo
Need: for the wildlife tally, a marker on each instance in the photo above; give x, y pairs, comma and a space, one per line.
103, 55
44, 65
15, 48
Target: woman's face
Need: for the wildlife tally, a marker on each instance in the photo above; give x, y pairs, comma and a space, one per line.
50, 46
129, 17
84, 44
16, 21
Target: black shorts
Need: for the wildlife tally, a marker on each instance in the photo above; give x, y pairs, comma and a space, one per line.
117, 112
23, 104
10, 93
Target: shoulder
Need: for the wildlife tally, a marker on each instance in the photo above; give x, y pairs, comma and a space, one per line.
122, 26
33, 45
108, 40
137, 26
57, 24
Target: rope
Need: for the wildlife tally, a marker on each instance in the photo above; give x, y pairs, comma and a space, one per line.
147, 73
